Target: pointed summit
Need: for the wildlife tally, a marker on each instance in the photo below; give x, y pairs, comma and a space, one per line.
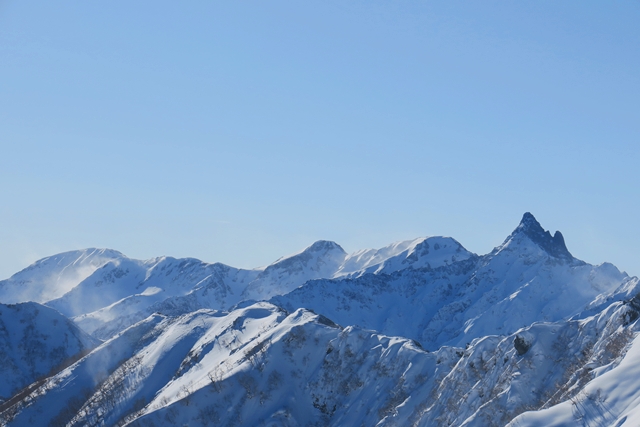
554, 246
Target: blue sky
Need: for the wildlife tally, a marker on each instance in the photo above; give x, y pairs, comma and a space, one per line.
242, 131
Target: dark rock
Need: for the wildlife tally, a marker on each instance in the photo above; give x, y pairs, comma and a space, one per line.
554, 246
635, 302
521, 345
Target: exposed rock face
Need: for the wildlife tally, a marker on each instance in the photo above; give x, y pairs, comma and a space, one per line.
418, 333
521, 345
554, 246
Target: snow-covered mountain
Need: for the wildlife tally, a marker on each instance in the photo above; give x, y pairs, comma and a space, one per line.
530, 277
259, 365
54, 276
425, 252
419, 333
35, 340
104, 291
322, 259
609, 398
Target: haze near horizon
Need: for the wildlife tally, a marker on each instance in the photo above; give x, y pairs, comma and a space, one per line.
238, 133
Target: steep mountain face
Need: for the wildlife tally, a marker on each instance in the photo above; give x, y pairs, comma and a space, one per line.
530, 277
262, 366
425, 333
254, 366
609, 399
34, 341
537, 367
554, 246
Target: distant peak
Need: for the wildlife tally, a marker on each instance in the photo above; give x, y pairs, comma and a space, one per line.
324, 245
528, 220
553, 245
530, 226
320, 248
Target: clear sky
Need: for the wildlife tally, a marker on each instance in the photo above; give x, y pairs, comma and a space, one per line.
239, 132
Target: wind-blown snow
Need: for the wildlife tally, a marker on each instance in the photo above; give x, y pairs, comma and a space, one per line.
53, 276
418, 333
105, 292
259, 365
457, 300
34, 341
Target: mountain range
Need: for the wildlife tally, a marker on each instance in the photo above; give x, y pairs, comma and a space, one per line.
420, 332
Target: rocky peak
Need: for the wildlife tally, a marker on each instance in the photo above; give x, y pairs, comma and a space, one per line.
553, 245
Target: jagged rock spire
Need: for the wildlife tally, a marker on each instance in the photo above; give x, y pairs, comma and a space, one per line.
554, 246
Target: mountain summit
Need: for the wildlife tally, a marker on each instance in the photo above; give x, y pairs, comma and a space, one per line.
553, 245
431, 334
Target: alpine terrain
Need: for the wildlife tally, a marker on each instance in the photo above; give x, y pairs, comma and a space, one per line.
418, 333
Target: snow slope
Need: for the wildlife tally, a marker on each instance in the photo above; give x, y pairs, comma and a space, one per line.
34, 341
105, 292
530, 277
152, 281
425, 252
170, 284
54, 276
534, 368
259, 365
255, 365
610, 397
426, 334
322, 259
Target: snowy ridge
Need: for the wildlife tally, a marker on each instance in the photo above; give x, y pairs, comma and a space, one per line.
418, 253
418, 333
151, 281
255, 365
261, 366
611, 399
516, 284
105, 292
54, 276
321, 259
427, 252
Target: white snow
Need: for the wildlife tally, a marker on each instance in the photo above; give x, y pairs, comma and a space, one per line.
35, 340
526, 335
52, 277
